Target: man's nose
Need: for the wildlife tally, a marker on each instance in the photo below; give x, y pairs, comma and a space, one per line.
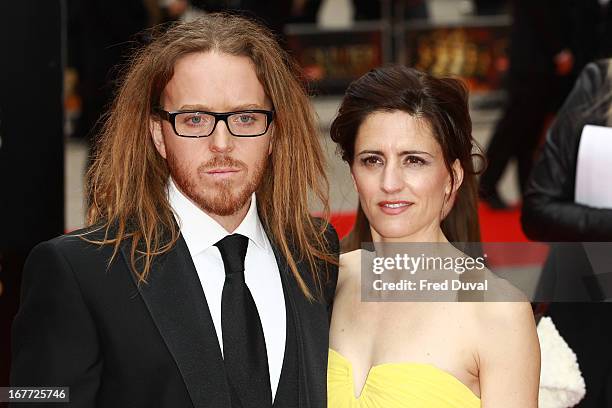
221, 140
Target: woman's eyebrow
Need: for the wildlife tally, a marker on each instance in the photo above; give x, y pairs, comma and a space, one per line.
415, 152
371, 152
402, 153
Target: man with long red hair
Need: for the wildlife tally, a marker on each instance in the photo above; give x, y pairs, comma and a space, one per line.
202, 280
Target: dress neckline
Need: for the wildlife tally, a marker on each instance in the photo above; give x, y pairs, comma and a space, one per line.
375, 367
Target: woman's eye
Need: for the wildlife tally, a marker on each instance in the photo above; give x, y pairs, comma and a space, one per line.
371, 161
415, 160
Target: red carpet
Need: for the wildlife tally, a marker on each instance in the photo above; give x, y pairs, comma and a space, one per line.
501, 226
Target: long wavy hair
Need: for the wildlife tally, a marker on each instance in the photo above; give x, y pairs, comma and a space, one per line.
127, 182
443, 103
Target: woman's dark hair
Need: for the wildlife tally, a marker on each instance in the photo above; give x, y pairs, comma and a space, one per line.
443, 104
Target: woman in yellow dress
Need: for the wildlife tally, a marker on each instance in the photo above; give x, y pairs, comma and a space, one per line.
407, 139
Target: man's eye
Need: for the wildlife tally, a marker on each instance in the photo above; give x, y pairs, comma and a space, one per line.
195, 120
245, 119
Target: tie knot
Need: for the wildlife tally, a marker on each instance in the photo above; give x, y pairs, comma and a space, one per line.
233, 250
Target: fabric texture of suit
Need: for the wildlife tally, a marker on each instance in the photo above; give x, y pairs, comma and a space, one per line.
115, 344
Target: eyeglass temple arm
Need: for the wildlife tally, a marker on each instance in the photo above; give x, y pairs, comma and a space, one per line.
164, 114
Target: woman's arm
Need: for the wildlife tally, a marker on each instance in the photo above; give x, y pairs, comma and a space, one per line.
549, 211
509, 356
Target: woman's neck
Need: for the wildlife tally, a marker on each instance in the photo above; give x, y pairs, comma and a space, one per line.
429, 235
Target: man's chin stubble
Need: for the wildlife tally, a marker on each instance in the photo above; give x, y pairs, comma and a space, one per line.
221, 200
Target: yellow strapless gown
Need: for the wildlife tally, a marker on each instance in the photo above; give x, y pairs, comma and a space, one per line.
396, 385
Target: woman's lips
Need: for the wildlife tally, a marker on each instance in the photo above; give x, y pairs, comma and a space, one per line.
394, 207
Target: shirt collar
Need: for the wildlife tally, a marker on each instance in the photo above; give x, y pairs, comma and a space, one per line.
201, 231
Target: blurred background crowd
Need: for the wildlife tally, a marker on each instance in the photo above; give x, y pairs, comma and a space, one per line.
62, 61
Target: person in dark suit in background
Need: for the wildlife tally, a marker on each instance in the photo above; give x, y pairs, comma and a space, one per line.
551, 214
538, 81
202, 280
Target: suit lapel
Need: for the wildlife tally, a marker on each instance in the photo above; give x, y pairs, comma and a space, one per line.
176, 302
312, 335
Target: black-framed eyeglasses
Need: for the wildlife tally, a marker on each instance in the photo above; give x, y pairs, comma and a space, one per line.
194, 123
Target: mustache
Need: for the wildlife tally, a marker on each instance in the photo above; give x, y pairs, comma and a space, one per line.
221, 161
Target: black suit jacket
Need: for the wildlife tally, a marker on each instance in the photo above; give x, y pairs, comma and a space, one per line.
86, 325
550, 212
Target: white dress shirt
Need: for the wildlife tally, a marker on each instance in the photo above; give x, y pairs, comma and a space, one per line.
261, 273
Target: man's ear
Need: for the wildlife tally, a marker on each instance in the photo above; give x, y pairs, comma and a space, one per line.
155, 127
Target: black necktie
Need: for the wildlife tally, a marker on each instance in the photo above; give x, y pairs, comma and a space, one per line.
244, 345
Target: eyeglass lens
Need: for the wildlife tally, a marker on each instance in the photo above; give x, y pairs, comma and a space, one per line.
202, 124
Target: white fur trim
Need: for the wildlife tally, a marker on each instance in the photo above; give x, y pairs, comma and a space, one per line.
561, 383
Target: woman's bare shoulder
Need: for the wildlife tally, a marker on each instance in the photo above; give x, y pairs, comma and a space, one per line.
502, 315
347, 258
505, 328
507, 314
350, 265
